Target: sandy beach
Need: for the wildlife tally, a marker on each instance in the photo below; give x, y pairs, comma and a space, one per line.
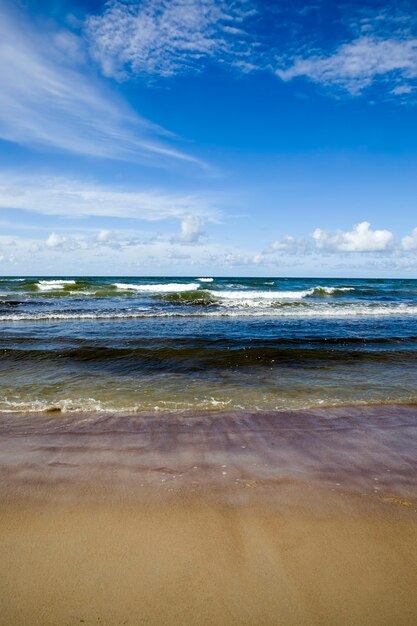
289, 518
208, 313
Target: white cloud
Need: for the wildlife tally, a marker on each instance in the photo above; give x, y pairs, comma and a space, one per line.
55, 241
191, 228
127, 252
402, 90
104, 236
87, 242
167, 37
48, 98
62, 196
360, 239
357, 64
162, 38
121, 254
288, 245
410, 241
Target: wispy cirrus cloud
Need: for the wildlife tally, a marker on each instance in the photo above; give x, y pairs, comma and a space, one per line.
49, 98
63, 196
169, 37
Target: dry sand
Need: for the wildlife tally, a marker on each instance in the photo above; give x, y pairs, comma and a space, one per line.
302, 518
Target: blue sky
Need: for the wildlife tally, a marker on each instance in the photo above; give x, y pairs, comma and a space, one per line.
208, 137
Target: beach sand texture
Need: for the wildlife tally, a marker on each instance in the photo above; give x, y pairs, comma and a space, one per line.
301, 518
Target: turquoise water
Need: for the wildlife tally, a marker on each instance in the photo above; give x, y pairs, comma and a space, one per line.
186, 343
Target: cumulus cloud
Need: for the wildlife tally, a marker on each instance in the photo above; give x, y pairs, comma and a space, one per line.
191, 228
127, 252
360, 239
104, 236
122, 252
55, 241
410, 241
88, 242
288, 245
167, 37
357, 64
49, 98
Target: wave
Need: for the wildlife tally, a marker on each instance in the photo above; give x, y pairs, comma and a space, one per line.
260, 298
91, 405
10, 303
242, 296
162, 288
239, 294
189, 358
48, 285
37, 344
205, 280
284, 311
87, 405
80, 405
329, 291
196, 298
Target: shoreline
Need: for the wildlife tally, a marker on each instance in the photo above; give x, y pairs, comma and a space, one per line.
306, 517
366, 449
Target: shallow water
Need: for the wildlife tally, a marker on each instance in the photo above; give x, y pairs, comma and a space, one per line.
187, 343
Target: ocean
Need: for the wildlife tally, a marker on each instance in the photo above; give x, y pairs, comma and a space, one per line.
123, 344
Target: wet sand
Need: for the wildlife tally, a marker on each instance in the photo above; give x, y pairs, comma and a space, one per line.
223, 518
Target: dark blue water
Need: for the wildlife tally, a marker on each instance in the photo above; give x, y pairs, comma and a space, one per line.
111, 344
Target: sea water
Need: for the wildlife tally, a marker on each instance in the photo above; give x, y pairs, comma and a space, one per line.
205, 343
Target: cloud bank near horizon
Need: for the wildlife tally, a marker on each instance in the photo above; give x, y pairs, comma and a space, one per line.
142, 252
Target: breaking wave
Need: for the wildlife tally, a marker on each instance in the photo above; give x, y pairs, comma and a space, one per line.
256, 298
48, 285
329, 291
197, 298
306, 311
162, 287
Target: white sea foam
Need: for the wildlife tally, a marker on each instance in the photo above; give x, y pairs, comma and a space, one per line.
91, 405
82, 405
331, 290
48, 285
158, 288
205, 280
238, 295
319, 311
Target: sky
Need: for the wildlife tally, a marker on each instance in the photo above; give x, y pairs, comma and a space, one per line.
208, 137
